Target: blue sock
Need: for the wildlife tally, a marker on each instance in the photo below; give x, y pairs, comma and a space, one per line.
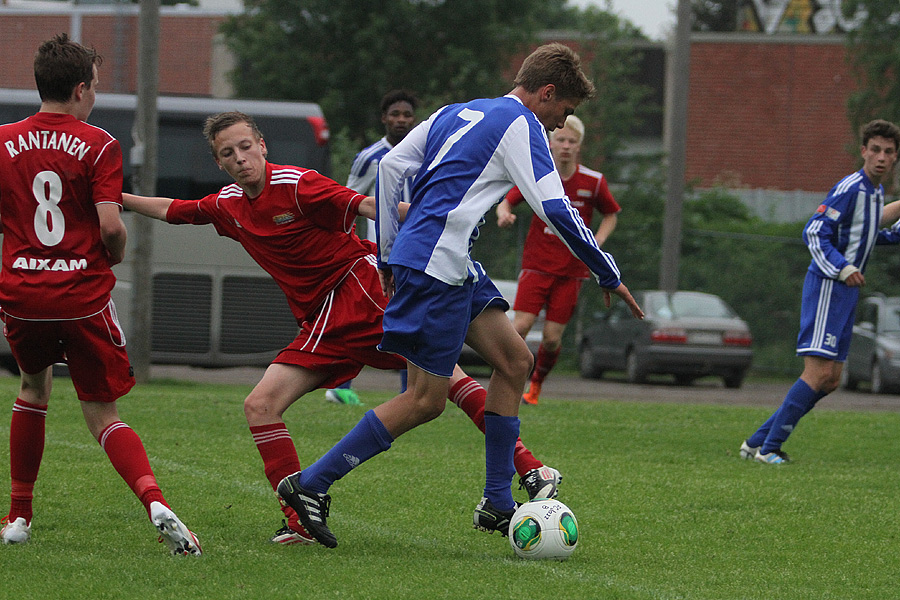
500, 435
756, 440
403, 378
799, 400
345, 386
368, 438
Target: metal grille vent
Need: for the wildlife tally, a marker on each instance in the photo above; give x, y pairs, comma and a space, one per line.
181, 311
255, 316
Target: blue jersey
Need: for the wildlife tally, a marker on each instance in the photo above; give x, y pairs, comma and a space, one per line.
465, 158
845, 227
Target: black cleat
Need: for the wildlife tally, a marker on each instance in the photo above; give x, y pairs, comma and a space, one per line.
489, 519
311, 508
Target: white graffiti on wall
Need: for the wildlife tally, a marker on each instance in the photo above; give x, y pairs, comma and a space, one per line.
825, 16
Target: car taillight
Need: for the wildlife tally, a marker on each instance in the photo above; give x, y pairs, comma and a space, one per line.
669, 335
737, 338
320, 129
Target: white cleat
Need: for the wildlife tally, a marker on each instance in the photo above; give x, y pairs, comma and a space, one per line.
172, 531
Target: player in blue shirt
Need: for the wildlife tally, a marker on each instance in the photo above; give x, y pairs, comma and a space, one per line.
398, 115
840, 236
464, 158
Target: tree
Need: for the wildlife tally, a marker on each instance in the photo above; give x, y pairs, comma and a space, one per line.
874, 52
714, 15
345, 54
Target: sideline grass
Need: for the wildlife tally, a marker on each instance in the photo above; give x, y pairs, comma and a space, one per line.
665, 507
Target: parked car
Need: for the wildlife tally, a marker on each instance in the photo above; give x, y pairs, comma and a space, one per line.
508, 288
875, 346
685, 334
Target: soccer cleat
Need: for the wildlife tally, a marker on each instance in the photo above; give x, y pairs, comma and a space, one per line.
489, 519
541, 483
293, 533
533, 393
172, 531
775, 457
15, 532
343, 396
748, 452
312, 508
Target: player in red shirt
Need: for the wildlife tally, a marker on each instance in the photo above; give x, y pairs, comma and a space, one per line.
551, 276
298, 226
60, 199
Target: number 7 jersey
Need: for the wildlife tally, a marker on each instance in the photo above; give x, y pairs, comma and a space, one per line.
54, 169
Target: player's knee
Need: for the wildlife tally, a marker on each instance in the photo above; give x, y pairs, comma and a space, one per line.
256, 408
428, 409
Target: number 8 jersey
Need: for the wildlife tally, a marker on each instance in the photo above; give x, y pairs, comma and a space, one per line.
54, 169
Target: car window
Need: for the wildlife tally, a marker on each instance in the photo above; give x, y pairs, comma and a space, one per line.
679, 305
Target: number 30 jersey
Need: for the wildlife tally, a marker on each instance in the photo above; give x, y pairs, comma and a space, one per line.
54, 169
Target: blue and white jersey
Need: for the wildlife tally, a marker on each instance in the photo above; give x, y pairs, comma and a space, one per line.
465, 158
363, 175
365, 167
845, 228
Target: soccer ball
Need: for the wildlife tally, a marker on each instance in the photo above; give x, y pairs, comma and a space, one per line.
543, 529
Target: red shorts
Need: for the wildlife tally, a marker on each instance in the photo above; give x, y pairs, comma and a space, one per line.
343, 336
537, 290
92, 347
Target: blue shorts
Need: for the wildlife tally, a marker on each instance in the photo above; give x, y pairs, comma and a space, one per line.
827, 313
426, 321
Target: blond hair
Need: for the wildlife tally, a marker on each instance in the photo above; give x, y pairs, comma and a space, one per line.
573, 123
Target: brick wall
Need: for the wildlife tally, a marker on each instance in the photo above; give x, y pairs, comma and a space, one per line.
185, 53
769, 112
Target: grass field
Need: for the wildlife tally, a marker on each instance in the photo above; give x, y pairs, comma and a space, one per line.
665, 507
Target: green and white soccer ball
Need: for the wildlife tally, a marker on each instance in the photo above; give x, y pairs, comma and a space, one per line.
543, 529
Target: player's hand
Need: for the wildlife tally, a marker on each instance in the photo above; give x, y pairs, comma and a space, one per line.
505, 219
856, 279
623, 293
387, 282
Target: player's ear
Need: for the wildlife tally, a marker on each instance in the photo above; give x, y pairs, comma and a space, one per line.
262, 146
547, 92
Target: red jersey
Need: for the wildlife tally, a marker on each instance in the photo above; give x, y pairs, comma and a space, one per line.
587, 190
54, 169
297, 230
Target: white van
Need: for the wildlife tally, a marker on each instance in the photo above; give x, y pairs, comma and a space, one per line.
212, 306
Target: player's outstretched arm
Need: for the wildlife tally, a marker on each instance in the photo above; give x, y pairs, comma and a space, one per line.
367, 208
147, 206
891, 213
623, 293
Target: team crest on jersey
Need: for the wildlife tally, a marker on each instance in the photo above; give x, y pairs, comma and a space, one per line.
283, 218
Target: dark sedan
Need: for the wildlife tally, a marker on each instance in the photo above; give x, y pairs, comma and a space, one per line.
685, 334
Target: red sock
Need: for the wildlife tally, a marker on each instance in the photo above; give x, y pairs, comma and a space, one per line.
129, 458
279, 456
26, 449
469, 396
546, 360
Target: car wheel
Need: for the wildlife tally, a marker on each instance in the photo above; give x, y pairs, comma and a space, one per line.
734, 380
635, 371
587, 364
682, 379
876, 379
848, 382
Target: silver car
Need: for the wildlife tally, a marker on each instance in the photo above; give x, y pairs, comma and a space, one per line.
875, 346
685, 334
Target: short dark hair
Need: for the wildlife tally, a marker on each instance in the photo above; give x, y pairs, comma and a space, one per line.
557, 64
880, 128
60, 65
216, 123
398, 96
